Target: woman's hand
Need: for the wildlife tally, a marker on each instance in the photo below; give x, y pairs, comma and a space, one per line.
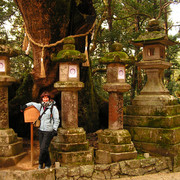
23, 107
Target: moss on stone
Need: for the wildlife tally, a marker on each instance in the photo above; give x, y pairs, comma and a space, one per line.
115, 57
69, 47
69, 40
69, 56
149, 36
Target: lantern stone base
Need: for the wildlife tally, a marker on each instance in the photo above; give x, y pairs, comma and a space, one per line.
114, 146
70, 147
156, 98
11, 148
155, 129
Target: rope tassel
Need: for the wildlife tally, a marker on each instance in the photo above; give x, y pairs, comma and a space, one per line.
86, 64
42, 74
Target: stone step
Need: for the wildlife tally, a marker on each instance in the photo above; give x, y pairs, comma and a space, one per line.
114, 137
123, 156
116, 148
7, 150
162, 136
155, 148
72, 135
70, 138
106, 157
8, 139
146, 110
11, 160
69, 147
152, 121
79, 157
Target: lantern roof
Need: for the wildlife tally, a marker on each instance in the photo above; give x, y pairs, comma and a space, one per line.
153, 35
69, 54
6, 50
116, 56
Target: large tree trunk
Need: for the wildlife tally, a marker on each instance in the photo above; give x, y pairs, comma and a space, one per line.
48, 21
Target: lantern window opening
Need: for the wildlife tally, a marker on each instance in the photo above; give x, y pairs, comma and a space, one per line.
162, 53
151, 52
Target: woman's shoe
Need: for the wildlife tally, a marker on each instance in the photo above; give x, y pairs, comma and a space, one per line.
40, 166
47, 167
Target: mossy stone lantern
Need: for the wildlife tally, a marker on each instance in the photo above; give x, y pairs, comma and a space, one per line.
152, 118
70, 146
116, 85
154, 43
11, 146
114, 143
69, 83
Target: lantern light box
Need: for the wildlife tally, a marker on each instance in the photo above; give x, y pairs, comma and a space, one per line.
68, 72
73, 71
121, 73
2, 66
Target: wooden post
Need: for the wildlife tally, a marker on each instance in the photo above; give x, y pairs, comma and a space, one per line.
32, 153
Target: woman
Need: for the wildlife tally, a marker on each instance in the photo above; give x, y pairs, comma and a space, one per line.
48, 127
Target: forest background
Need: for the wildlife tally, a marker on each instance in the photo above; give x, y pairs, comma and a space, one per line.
115, 21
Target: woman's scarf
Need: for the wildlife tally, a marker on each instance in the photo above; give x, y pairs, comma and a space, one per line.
46, 104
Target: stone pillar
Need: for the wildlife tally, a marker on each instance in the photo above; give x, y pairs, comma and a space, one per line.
70, 146
4, 116
153, 118
114, 143
11, 146
115, 110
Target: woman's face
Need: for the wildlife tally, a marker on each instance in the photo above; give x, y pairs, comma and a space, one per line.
45, 99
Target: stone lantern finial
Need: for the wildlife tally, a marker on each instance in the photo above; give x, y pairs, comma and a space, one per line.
153, 25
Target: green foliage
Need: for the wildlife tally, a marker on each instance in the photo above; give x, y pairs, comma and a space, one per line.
88, 106
171, 81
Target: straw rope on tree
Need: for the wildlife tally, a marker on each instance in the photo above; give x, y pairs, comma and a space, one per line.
42, 74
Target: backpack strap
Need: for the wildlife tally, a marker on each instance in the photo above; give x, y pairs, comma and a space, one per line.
51, 116
42, 114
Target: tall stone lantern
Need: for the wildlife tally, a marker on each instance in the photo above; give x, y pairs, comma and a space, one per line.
11, 146
70, 146
114, 143
153, 118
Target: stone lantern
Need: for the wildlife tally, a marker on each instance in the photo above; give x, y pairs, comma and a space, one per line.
70, 146
114, 143
153, 118
154, 43
11, 146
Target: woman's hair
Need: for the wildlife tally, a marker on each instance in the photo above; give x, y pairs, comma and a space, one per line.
45, 93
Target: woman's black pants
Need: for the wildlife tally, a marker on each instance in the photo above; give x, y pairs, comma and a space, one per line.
45, 138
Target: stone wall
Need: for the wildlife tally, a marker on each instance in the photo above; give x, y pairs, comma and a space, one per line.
117, 170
